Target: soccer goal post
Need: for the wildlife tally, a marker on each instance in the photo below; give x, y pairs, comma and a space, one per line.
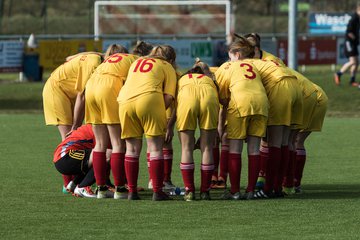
177, 18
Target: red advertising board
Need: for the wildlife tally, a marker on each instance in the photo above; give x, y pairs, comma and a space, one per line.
310, 51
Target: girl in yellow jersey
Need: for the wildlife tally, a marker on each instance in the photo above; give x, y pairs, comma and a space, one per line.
244, 96
314, 121
102, 109
285, 111
63, 94
149, 89
197, 101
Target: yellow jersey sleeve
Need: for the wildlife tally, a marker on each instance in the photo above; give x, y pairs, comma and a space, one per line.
223, 80
87, 64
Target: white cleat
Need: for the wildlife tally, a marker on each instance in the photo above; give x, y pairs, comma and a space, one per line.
104, 192
84, 192
150, 186
71, 187
120, 193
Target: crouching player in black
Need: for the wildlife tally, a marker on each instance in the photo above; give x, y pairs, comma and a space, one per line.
73, 156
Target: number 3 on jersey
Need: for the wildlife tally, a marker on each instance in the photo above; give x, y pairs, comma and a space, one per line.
144, 65
248, 69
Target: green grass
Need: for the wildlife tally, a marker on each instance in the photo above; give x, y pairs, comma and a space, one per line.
33, 207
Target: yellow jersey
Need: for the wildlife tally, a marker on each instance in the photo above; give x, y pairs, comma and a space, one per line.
116, 65
148, 75
195, 79
270, 57
271, 72
240, 82
73, 75
306, 85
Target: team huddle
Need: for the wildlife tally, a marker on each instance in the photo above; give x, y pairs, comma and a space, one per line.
254, 98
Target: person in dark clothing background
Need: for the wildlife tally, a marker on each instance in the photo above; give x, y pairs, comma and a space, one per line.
351, 49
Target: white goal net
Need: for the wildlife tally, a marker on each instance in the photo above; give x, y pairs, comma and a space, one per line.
180, 18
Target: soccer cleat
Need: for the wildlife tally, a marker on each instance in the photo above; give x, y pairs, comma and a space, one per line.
248, 196
261, 195
160, 196
298, 190
337, 79
71, 187
150, 186
189, 196
205, 196
231, 196
84, 192
133, 196
121, 193
104, 192
169, 186
260, 183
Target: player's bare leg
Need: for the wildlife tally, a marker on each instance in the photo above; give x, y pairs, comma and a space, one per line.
64, 130
353, 71
352, 64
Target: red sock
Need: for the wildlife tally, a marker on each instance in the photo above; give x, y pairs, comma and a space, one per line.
132, 171
253, 172
99, 165
67, 179
234, 171
168, 160
187, 172
264, 158
206, 175
272, 168
224, 159
289, 175
118, 168
157, 172
282, 169
299, 166
148, 163
216, 156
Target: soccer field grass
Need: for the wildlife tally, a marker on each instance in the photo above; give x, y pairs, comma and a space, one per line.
33, 206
